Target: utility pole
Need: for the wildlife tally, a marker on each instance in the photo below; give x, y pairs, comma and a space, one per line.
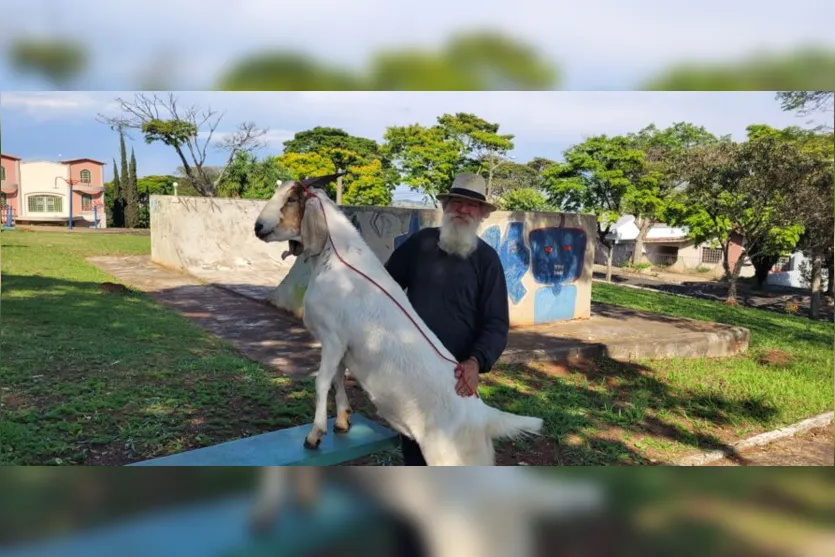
339, 188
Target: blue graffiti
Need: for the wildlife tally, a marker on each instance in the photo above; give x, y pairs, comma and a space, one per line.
554, 303
414, 226
514, 255
558, 254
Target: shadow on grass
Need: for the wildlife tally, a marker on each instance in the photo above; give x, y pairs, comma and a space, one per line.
592, 408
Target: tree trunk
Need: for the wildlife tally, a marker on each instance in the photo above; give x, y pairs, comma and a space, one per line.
726, 262
643, 230
815, 303
609, 256
732, 278
762, 266
830, 270
339, 188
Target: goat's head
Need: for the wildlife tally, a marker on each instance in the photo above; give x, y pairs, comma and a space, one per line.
293, 216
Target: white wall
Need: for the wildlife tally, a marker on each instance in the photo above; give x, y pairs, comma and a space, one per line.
38, 178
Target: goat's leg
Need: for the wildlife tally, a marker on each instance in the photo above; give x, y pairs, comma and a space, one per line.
343, 407
272, 487
331, 358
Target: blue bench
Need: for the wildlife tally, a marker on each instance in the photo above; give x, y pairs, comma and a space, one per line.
285, 448
219, 528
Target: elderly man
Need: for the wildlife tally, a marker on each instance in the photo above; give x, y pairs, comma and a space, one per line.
456, 284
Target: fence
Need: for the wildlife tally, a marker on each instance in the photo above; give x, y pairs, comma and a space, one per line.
7, 216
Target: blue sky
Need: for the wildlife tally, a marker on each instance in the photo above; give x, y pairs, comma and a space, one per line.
62, 125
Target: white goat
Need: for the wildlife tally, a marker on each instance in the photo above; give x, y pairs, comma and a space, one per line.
361, 329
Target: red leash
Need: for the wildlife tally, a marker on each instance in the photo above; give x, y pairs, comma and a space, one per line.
458, 366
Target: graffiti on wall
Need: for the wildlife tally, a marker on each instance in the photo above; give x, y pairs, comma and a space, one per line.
414, 226
554, 256
514, 255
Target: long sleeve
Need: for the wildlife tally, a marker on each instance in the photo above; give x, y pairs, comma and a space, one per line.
399, 262
494, 316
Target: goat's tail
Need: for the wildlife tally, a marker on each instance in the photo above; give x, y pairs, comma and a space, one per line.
504, 424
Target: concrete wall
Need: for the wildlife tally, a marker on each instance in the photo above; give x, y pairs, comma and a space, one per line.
547, 257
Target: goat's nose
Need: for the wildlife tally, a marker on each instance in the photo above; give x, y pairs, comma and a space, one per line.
258, 228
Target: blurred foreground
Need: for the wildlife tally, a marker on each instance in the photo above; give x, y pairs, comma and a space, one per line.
434, 45
403, 511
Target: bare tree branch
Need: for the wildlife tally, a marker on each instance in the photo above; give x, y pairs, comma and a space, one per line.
188, 130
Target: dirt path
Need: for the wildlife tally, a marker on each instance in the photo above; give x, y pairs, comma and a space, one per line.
815, 447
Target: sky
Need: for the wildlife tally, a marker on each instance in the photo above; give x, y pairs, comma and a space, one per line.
598, 44
40, 125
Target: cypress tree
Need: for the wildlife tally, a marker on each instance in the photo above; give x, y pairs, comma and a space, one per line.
131, 194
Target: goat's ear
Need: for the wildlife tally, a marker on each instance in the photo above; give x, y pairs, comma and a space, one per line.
314, 230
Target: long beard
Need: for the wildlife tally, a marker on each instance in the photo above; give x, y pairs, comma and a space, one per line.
458, 237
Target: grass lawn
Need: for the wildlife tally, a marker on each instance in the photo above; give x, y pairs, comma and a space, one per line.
94, 378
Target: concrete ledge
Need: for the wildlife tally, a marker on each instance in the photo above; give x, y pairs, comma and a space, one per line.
219, 528
758, 440
720, 344
285, 448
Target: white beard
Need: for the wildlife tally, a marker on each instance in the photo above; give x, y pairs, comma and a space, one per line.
457, 237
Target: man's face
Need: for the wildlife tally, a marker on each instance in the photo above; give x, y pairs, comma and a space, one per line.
459, 227
463, 210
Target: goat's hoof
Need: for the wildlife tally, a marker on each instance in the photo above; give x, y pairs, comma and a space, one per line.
309, 445
339, 429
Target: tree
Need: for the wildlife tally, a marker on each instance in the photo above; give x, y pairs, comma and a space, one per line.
526, 199
424, 158
649, 196
513, 176
156, 184
250, 178
164, 120
470, 62
806, 102
596, 177
796, 71
814, 206
59, 60
116, 202
484, 148
428, 159
741, 190
370, 178
132, 208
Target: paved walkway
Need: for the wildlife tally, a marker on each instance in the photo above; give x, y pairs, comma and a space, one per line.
236, 313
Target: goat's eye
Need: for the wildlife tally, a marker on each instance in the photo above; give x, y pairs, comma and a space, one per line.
292, 200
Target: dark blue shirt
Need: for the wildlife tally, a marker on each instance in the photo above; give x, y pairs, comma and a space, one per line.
463, 301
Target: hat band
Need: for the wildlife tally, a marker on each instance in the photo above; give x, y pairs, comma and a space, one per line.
467, 193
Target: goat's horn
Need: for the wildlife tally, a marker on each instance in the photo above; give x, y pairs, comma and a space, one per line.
320, 181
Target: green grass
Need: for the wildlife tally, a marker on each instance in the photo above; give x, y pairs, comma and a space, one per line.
92, 378
619, 413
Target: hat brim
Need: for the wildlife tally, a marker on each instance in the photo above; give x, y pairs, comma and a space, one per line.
442, 196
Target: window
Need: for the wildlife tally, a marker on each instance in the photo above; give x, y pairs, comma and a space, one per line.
86, 202
2, 172
45, 204
711, 255
86, 177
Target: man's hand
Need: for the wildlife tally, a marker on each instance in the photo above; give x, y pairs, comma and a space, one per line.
467, 375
